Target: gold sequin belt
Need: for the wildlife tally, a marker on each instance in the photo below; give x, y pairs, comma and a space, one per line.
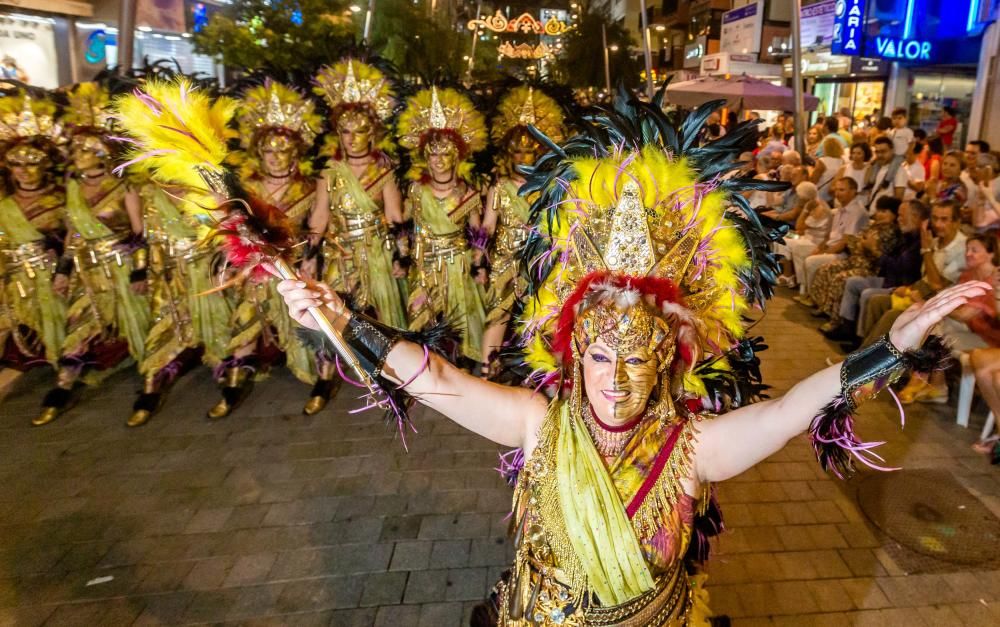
431, 248
29, 257
550, 604
99, 252
511, 239
356, 227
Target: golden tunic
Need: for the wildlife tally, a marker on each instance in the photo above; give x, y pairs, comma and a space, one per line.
512, 231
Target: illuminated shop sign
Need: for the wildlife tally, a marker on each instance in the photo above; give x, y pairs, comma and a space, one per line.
848, 27
901, 49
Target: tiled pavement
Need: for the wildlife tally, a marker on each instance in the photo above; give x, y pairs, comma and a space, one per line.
273, 518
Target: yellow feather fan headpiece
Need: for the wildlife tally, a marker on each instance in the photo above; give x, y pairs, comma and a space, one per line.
355, 84
525, 105
441, 114
89, 109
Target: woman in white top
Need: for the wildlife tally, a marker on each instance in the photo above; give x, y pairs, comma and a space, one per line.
811, 229
827, 168
857, 168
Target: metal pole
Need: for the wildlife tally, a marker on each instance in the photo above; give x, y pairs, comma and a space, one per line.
126, 35
800, 106
607, 60
475, 38
645, 49
369, 16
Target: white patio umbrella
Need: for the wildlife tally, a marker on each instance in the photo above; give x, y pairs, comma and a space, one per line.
740, 92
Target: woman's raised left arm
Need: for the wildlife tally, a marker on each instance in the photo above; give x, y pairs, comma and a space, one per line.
736, 441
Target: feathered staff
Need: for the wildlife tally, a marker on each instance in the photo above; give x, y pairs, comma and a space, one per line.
179, 136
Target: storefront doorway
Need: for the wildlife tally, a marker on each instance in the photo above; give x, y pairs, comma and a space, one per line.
930, 92
861, 98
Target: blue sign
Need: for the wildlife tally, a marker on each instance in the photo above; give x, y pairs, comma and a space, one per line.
848, 27
96, 46
739, 14
902, 49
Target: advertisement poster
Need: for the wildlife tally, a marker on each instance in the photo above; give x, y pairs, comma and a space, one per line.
28, 52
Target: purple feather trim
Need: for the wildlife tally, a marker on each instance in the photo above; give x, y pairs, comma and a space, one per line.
233, 362
706, 526
479, 238
511, 464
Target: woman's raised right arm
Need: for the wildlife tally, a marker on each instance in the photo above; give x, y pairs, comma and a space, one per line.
503, 414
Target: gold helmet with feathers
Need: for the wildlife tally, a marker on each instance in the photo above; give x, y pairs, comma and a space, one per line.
276, 108
441, 114
23, 116
523, 106
351, 85
88, 109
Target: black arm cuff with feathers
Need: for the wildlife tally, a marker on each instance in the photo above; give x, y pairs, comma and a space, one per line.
370, 341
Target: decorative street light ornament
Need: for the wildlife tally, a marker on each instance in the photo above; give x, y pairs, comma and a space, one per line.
525, 51
525, 23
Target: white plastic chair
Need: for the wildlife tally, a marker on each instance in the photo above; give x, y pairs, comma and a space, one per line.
966, 392
987, 427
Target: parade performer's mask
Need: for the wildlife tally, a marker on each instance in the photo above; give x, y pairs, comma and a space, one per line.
89, 152
624, 352
277, 154
523, 149
28, 166
357, 134
442, 157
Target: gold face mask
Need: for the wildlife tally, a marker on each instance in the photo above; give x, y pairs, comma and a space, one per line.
88, 152
28, 166
357, 134
277, 154
442, 157
624, 353
523, 150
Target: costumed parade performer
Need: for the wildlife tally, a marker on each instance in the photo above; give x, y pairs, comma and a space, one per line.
442, 129
359, 191
635, 315
32, 228
505, 218
277, 127
103, 267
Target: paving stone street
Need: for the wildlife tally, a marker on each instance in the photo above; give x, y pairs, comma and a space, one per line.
273, 518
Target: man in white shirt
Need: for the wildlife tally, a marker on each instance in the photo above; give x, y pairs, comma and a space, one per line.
901, 134
915, 174
848, 219
886, 173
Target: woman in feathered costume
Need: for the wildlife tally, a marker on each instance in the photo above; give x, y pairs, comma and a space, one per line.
636, 306
277, 127
103, 267
505, 218
442, 129
32, 316
359, 191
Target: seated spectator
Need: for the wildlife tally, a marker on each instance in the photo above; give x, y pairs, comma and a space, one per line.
813, 138
973, 325
986, 366
848, 219
775, 143
863, 252
973, 149
791, 157
985, 199
811, 229
763, 171
942, 247
827, 168
899, 266
787, 204
886, 175
949, 186
856, 167
832, 128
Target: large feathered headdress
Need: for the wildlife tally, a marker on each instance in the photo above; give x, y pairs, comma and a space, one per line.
88, 109
441, 114
274, 106
352, 85
23, 117
526, 106
637, 211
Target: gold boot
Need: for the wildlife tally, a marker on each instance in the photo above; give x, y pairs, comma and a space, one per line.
325, 389
146, 405
56, 401
237, 386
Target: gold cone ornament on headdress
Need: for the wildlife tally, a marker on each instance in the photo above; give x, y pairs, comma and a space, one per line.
523, 106
276, 106
355, 83
23, 117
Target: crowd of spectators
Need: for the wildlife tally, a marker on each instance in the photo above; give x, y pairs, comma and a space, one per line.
883, 217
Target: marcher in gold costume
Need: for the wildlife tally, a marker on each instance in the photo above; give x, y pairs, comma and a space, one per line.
358, 189
636, 310
442, 129
277, 127
190, 318
32, 316
506, 217
103, 267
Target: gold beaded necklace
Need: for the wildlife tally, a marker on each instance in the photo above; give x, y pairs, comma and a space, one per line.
609, 441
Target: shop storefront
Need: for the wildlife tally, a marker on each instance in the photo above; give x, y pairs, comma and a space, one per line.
934, 51
853, 84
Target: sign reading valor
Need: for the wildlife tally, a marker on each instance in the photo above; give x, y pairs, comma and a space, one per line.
908, 49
